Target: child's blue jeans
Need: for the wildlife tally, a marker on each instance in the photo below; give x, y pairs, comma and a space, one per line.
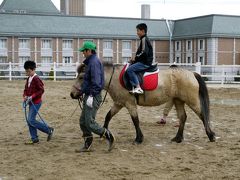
33, 124
132, 71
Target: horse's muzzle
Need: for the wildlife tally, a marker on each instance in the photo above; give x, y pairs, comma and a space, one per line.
74, 96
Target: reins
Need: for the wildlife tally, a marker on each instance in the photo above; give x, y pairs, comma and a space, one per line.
109, 83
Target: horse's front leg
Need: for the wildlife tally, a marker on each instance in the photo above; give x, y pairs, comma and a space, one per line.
134, 115
114, 110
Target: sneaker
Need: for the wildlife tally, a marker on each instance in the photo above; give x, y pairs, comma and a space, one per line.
137, 91
162, 121
110, 138
50, 133
32, 142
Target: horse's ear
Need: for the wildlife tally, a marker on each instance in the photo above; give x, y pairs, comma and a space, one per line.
81, 68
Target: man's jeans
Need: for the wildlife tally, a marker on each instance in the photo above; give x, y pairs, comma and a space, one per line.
33, 124
87, 122
132, 71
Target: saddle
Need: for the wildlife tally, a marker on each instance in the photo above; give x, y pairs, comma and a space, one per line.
148, 78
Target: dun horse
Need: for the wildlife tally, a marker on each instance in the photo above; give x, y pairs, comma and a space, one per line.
174, 84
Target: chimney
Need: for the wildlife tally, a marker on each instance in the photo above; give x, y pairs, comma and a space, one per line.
145, 11
73, 7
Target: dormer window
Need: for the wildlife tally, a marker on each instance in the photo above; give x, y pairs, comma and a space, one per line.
20, 11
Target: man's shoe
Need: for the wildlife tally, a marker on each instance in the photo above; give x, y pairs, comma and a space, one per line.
50, 133
32, 142
83, 149
87, 145
110, 138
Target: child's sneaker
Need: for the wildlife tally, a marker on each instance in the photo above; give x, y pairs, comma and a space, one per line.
137, 91
32, 142
50, 133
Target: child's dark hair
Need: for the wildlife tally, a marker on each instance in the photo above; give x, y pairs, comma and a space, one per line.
30, 65
142, 26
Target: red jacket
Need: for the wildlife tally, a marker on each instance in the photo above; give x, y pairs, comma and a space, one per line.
36, 89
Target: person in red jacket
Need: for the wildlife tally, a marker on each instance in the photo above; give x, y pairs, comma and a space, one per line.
32, 96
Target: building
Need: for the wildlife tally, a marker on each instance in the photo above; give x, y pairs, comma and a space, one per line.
36, 30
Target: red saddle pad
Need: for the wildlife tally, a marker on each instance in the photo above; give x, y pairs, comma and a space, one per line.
150, 79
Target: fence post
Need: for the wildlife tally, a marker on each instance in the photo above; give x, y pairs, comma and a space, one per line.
198, 67
222, 79
10, 71
54, 71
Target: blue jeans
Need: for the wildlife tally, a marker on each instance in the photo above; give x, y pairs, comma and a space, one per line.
132, 71
33, 124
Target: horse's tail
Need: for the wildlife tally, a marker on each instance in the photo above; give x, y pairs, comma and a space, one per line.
204, 99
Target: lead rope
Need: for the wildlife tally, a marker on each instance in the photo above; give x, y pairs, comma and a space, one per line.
79, 104
26, 117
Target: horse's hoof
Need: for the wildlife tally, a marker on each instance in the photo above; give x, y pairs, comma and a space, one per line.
212, 139
136, 142
177, 139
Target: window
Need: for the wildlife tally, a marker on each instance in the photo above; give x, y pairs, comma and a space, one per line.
67, 60
3, 59
178, 46
189, 59
189, 45
24, 43
23, 59
67, 44
3, 43
107, 50
107, 44
201, 59
107, 59
125, 60
178, 59
201, 44
126, 45
46, 60
46, 44
88, 40
126, 51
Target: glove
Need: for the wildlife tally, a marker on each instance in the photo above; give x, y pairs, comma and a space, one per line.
28, 99
90, 101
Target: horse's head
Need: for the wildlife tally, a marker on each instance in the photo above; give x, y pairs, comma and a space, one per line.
76, 88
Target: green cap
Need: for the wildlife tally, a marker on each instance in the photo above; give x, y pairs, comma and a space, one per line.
88, 45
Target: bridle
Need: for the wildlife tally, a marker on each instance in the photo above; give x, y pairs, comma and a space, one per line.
107, 89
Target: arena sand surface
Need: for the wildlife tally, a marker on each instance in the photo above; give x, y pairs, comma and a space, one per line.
156, 158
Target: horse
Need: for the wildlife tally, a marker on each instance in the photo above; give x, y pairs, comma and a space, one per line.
175, 85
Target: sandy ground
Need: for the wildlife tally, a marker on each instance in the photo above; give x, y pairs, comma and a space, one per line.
156, 158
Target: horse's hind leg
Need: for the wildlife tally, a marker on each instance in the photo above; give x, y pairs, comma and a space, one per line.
205, 120
181, 114
114, 110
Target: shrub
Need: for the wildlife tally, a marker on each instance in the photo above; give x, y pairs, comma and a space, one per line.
237, 78
51, 74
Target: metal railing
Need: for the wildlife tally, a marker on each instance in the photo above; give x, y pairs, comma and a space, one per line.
219, 74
